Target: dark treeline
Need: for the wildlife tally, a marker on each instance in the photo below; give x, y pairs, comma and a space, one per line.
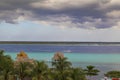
59, 42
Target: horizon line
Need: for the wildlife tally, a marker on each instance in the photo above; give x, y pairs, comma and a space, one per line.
57, 42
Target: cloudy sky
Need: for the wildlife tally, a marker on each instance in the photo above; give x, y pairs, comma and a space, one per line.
60, 20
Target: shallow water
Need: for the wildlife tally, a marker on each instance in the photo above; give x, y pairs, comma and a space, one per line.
113, 58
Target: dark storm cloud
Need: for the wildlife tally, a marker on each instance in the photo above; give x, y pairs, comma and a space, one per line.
77, 13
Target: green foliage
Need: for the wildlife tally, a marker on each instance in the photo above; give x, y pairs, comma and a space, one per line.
78, 74
113, 74
41, 70
1, 59
22, 70
91, 71
61, 68
6, 65
61, 64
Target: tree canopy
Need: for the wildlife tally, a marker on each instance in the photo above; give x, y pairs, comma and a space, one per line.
113, 74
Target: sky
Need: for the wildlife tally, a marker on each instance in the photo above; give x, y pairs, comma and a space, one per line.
60, 20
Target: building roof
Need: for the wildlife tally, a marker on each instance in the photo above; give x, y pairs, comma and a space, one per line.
58, 55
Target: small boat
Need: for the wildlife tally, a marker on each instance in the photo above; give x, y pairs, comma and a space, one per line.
67, 51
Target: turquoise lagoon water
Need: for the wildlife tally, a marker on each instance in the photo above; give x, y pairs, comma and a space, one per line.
103, 62
74, 57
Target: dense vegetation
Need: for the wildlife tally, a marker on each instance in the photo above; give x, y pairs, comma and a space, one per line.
61, 70
113, 74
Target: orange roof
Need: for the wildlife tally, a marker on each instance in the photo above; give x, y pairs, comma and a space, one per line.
22, 54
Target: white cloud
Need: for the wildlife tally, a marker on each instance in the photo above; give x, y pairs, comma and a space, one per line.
107, 4
14, 16
114, 2
117, 26
62, 13
114, 14
61, 21
7, 16
64, 21
62, 4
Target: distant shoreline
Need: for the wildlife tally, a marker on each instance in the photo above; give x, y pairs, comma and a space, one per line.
58, 42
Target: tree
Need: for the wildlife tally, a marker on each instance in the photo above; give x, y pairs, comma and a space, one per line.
61, 64
113, 74
7, 68
1, 53
62, 68
1, 59
40, 70
23, 69
6, 65
90, 71
78, 74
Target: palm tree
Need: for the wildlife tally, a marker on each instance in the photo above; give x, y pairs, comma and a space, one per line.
1, 59
40, 70
23, 69
61, 63
78, 74
62, 68
6, 65
90, 71
1, 52
62, 75
113, 74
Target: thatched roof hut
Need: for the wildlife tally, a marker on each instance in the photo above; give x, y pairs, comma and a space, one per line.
58, 55
22, 54
23, 57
